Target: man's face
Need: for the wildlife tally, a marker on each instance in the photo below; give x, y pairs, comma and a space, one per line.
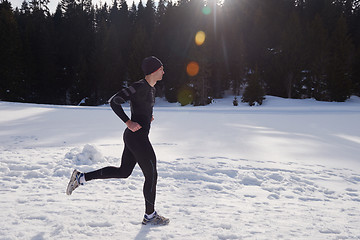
159, 73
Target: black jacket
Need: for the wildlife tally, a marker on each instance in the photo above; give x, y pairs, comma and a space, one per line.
142, 99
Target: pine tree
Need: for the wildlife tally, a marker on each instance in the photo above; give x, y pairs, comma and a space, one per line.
201, 82
101, 59
233, 45
149, 18
37, 33
11, 85
166, 47
77, 48
254, 91
40, 5
339, 68
317, 53
292, 58
212, 23
132, 14
112, 42
161, 11
141, 40
356, 73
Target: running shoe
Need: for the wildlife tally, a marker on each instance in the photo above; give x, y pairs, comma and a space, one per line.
156, 220
74, 181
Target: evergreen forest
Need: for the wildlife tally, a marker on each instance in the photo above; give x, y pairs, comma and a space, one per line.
85, 53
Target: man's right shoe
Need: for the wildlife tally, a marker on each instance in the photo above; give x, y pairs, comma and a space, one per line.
74, 181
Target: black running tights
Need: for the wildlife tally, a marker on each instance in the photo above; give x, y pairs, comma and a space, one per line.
137, 149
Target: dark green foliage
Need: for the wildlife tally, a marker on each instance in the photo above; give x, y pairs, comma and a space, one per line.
11, 61
235, 101
301, 49
356, 73
254, 91
339, 67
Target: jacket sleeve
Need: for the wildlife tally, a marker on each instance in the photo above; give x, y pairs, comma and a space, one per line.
120, 98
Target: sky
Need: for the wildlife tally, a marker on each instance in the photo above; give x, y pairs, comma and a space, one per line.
53, 3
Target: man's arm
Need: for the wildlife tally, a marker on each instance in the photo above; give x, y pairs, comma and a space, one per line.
115, 103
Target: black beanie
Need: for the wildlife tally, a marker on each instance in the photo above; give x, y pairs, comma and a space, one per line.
150, 65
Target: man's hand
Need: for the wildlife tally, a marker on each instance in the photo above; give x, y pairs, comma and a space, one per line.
133, 126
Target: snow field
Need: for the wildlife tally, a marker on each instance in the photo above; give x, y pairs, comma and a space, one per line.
285, 170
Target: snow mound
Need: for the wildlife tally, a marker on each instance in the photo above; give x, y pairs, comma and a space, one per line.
88, 156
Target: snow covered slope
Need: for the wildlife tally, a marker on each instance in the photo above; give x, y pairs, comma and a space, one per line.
288, 169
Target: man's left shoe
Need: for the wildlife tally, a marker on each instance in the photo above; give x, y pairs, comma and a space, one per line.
156, 220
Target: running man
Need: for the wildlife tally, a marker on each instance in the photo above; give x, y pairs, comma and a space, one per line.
138, 148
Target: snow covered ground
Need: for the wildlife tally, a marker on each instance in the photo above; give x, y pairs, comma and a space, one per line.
288, 169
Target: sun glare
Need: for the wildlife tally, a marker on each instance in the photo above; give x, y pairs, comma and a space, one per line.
200, 38
206, 10
192, 69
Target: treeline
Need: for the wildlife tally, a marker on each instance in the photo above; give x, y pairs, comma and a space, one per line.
286, 48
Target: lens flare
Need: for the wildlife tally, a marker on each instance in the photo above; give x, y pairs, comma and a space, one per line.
185, 96
192, 69
200, 38
206, 10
